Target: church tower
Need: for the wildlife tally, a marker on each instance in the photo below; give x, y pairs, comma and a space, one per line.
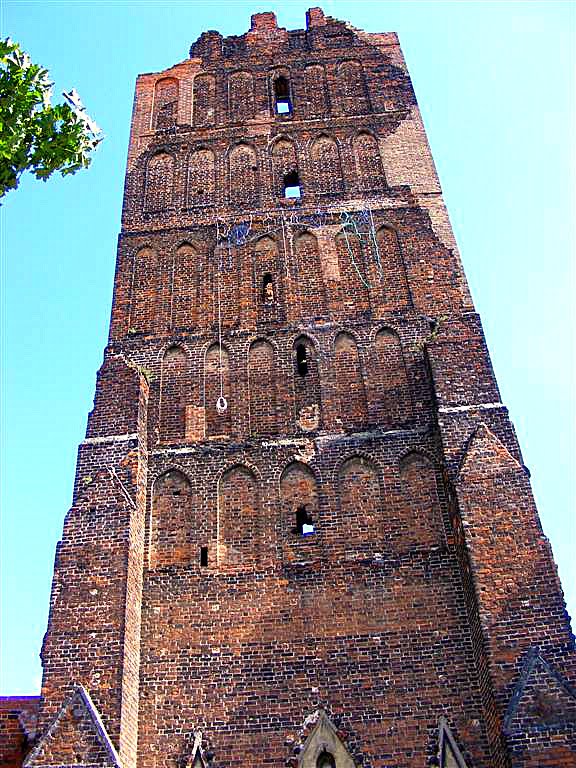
302, 533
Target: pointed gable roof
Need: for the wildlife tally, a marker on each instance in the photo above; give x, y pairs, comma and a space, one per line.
449, 755
485, 455
541, 697
324, 738
76, 735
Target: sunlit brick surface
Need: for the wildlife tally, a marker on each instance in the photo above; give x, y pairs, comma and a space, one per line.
301, 522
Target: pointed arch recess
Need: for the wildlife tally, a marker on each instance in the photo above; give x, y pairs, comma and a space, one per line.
284, 162
326, 165
262, 383
241, 96
311, 288
391, 397
174, 395
204, 100
298, 488
185, 287
173, 531
145, 282
201, 181
239, 518
349, 383
217, 424
368, 160
352, 88
354, 275
243, 175
394, 293
159, 185
316, 89
423, 521
306, 381
360, 524
165, 103
267, 264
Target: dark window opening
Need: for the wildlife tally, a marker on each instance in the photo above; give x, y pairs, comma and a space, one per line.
291, 185
325, 760
203, 556
176, 492
282, 103
268, 289
304, 522
301, 360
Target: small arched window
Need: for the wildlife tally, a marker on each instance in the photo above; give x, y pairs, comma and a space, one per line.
282, 102
325, 760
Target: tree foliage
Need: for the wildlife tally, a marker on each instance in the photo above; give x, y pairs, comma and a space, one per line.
34, 134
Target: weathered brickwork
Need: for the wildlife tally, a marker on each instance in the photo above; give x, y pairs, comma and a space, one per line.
302, 533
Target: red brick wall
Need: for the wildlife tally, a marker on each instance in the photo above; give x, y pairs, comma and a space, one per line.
339, 328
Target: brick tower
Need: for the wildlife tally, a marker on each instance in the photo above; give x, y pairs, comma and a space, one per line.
302, 533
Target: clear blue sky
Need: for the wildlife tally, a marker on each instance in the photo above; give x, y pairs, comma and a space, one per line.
495, 82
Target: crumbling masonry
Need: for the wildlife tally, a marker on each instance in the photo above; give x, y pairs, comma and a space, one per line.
302, 533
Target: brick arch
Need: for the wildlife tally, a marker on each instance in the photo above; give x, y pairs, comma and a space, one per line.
201, 178
422, 514
326, 165
217, 424
174, 394
284, 158
186, 286
174, 520
307, 389
159, 182
204, 100
390, 396
240, 96
268, 267
393, 291
273, 76
263, 386
349, 382
368, 161
299, 487
240, 534
225, 277
355, 278
360, 522
243, 175
165, 113
144, 295
317, 101
353, 94
310, 280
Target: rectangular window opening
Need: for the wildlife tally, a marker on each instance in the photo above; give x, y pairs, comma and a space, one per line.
283, 107
304, 522
293, 192
204, 557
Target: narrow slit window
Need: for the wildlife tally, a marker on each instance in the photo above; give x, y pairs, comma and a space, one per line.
291, 185
204, 557
282, 103
301, 360
268, 296
304, 522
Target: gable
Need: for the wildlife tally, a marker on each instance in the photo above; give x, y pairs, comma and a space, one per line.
76, 737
